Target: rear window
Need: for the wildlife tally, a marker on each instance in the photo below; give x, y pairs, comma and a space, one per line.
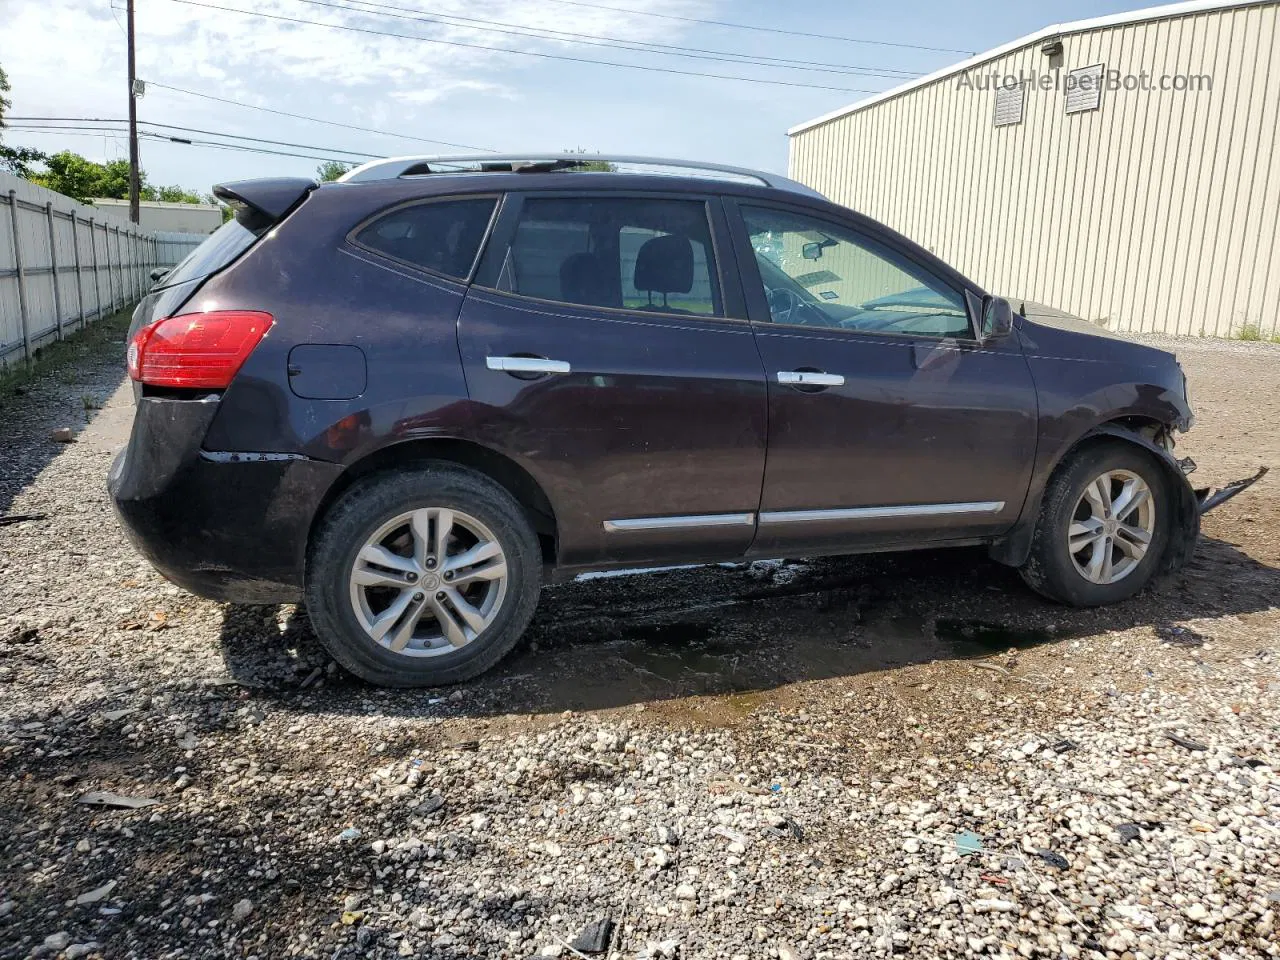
442, 236
224, 245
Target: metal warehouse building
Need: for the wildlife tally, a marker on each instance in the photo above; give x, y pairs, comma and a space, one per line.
1123, 168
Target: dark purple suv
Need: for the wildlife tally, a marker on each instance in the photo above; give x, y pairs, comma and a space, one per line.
410, 397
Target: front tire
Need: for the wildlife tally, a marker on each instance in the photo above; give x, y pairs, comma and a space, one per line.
1103, 527
422, 577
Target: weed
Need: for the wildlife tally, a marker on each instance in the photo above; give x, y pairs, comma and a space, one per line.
59, 359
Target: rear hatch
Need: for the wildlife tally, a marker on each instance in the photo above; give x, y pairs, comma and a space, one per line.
259, 205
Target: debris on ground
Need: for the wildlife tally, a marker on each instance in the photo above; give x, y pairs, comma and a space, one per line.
1184, 742
1180, 636
968, 843
13, 518
99, 893
1055, 860
594, 937
105, 798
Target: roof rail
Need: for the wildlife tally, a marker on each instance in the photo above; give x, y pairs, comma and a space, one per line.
393, 167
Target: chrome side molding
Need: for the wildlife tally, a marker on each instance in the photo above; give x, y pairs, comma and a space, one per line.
676, 523
881, 513
801, 516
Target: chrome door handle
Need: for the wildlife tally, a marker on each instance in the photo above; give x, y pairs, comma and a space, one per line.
809, 378
527, 365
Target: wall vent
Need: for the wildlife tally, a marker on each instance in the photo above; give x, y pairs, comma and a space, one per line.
1084, 88
1009, 105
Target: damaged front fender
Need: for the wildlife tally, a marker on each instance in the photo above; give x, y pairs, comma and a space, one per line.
1185, 530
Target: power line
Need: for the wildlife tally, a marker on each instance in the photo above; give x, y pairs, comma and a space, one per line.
299, 116
613, 43
211, 133
116, 135
522, 53
747, 26
242, 149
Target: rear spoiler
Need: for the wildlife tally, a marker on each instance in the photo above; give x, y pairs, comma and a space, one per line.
260, 204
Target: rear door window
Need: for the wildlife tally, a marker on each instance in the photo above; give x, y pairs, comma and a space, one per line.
443, 236
624, 253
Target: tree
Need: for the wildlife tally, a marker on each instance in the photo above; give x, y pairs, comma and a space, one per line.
592, 166
173, 194
331, 170
72, 175
14, 159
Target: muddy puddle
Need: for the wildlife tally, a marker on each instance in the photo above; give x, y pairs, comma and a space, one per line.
607, 642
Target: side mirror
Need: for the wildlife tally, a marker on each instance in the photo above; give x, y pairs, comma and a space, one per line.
811, 251
159, 273
997, 319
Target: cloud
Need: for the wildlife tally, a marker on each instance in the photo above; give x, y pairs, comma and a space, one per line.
67, 58
78, 44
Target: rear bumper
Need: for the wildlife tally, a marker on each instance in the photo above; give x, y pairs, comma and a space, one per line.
225, 526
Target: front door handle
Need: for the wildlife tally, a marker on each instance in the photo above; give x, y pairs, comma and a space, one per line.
527, 365
810, 378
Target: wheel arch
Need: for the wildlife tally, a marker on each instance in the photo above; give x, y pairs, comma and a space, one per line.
466, 453
1014, 547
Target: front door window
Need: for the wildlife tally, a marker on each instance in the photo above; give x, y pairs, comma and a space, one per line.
819, 274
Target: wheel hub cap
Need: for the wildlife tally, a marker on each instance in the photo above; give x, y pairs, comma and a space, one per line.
1112, 526
428, 582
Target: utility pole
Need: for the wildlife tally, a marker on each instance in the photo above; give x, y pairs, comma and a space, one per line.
134, 183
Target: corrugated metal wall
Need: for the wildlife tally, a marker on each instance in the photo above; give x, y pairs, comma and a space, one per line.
62, 265
1157, 212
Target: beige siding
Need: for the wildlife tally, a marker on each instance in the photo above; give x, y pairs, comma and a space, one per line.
1156, 212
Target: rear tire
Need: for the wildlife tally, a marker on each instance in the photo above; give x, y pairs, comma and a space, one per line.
422, 577
1088, 548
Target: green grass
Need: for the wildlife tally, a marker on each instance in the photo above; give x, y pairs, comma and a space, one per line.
61, 358
1250, 331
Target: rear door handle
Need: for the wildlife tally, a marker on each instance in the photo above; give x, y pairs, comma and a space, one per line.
810, 378
527, 365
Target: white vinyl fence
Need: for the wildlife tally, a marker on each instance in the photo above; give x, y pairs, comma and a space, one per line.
172, 248
64, 264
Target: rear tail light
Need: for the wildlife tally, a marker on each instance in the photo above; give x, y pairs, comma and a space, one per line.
203, 350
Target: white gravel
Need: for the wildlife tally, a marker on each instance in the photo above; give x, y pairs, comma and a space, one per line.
1032, 805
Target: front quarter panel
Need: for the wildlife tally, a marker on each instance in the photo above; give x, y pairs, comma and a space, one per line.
1088, 387
1085, 381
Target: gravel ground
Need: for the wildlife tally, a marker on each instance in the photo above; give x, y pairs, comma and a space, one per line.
905, 755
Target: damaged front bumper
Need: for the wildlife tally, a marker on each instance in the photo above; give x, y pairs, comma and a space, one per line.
1210, 497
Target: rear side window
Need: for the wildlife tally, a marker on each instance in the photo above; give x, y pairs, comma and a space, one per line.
223, 245
621, 253
443, 236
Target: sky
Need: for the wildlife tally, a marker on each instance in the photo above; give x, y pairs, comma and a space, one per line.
462, 81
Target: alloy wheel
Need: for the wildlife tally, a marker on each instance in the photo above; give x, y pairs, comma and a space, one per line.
428, 582
1112, 526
